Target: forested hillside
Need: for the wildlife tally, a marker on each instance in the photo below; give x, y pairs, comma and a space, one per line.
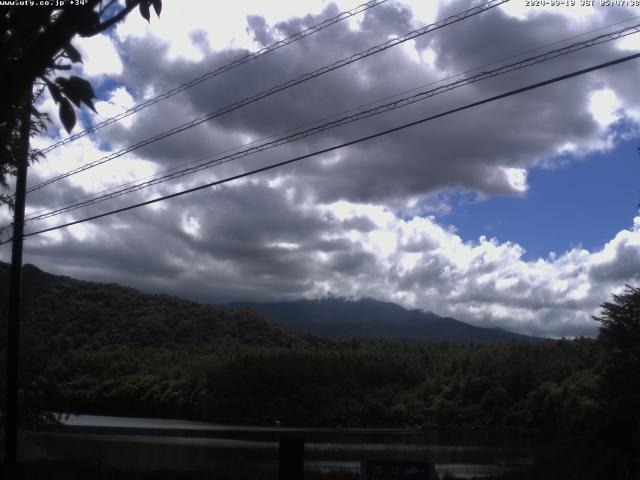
62, 313
102, 348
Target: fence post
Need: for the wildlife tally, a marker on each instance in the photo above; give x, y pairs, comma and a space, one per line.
291, 458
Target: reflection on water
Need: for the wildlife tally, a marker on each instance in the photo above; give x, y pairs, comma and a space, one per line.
154, 444
160, 423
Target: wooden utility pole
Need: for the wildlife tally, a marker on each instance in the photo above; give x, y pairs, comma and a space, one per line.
15, 288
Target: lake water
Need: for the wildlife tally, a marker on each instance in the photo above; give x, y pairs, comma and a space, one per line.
165, 444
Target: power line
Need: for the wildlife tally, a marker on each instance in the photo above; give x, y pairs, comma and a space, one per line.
265, 93
96, 195
399, 103
219, 71
346, 144
475, 69
179, 167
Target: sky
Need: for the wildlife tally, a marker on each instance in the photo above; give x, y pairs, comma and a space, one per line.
521, 213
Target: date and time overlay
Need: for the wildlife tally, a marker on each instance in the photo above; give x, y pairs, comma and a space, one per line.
524, 3
579, 3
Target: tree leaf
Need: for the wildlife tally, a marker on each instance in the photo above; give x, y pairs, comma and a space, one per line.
55, 92
67, 115
144, 10
83, 86
89, 103
157, 6
72, 53
88, 23
78, 90
69, 91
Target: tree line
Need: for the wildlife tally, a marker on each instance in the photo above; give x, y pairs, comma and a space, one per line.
95, 348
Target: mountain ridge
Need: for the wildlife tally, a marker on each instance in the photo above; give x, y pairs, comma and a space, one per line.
375, 319
108, 315
165, 317
89, 347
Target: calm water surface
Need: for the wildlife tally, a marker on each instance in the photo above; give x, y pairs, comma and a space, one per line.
167, 444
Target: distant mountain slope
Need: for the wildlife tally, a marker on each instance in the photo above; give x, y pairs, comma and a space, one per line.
102, 348
61, 312
107, 349
337, 317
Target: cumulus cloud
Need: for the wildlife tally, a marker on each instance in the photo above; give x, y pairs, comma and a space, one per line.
462, 152
100, 56
356, 222
251, 240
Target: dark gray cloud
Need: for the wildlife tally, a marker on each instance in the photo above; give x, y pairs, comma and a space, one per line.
346, 222
463, 151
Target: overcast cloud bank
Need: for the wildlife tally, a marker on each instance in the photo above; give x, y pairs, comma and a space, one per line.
358, 222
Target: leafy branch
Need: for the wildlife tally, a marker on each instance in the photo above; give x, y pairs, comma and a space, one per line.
35, 44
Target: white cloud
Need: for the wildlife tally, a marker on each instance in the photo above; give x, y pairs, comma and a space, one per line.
362, 251
354, 222
191, 226
425, 265
605, 107
119, 100
410, 49
631, 43
99, 56
180, 23
517, 178
83, 151
425, 12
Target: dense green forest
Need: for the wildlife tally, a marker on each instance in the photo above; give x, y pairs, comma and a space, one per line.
110, 349
96, 348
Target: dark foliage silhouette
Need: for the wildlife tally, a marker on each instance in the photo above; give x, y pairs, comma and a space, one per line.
35, 45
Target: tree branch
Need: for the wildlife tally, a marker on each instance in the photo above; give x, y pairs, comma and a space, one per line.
106, 7
113, 20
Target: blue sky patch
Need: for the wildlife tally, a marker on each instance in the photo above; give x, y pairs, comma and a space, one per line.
584, 203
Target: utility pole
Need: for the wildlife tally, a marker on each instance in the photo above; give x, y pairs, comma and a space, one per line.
15, 288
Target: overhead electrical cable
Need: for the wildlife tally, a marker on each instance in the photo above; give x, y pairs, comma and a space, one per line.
399, 103
178, 167
343, 145
218, 71
278, 88
334, 115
